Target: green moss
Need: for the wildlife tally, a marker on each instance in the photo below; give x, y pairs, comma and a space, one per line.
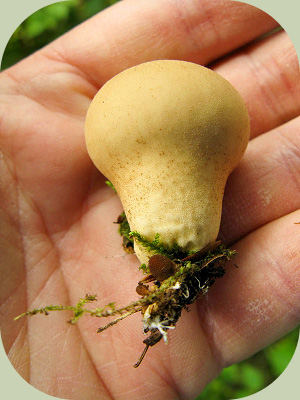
124, 231
124, 228
108, 183
194, 275
77, 310
210, 266
156, 246
144, 268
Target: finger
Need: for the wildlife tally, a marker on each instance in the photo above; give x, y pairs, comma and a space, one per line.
50, 350
132, 32
258, 303
265, 186
266, 74
129, 33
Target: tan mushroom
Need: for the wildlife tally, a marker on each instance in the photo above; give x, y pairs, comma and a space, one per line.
167, 134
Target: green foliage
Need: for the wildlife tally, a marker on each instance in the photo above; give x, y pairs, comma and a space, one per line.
279, 354
48, 18
255, 373
47, 24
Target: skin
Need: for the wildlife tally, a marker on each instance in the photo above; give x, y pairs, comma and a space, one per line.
58, 241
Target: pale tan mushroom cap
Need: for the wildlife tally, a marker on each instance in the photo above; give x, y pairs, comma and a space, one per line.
167, 134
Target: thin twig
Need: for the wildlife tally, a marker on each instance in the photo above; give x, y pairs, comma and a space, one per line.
115, 321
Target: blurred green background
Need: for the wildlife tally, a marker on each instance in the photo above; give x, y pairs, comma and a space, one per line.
42, 27
47, 24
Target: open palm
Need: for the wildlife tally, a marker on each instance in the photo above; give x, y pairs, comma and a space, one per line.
59, 241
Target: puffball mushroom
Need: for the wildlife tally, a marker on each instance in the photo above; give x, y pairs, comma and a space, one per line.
167, 134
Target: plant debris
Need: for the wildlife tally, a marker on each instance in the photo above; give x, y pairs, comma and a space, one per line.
178, 279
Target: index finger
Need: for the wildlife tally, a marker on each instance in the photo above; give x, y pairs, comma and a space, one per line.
133, 31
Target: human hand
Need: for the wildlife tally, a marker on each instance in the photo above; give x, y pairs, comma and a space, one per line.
59, 239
